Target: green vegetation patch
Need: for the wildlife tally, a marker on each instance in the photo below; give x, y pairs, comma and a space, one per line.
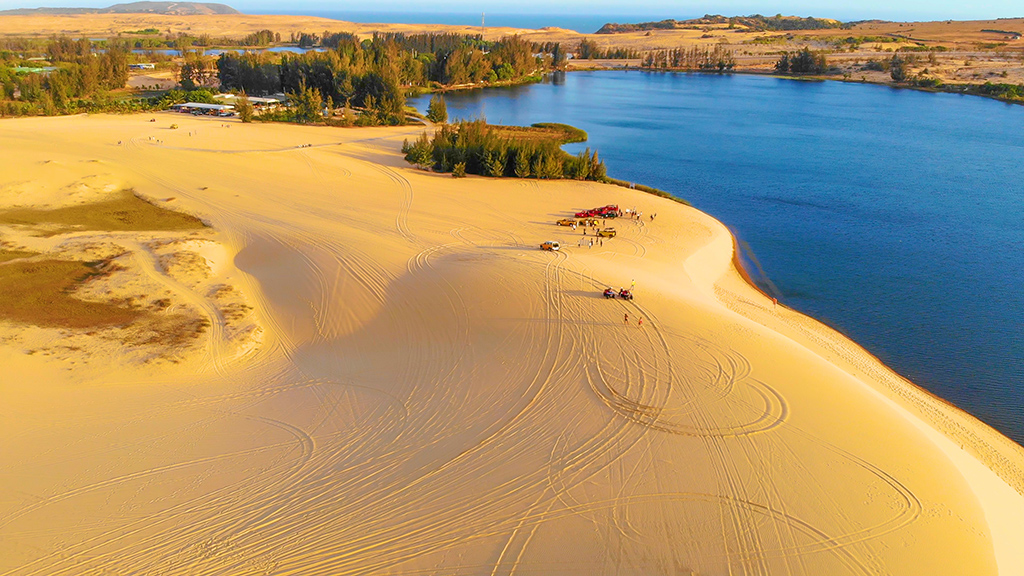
569, 134
541, 132
127, 212
39, 292
475, 147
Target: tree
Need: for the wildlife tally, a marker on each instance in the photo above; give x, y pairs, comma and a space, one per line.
421, 152
597, 168
244, 108
522, 164
898, 68
309, 104
437, 110
459, 171
348, 116
803, 62
494, 163
195, 72
782, 66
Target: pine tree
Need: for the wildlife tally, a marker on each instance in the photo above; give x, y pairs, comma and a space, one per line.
522, 164
495, 163
898, 68
437, 110
244, 108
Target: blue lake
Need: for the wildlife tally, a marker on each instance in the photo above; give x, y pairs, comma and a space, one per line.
894, 216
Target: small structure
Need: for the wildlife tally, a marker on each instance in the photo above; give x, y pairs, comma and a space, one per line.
200, 109
142, 66
34, 70
259, 103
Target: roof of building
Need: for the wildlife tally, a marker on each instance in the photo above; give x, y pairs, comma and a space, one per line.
202, 106
253, 99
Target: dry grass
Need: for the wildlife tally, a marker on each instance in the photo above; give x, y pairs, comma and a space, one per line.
8, 255
174, 331
127, 212
545, 132
39, 292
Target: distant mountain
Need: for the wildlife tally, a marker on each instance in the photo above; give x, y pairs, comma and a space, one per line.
169, 8
755, 22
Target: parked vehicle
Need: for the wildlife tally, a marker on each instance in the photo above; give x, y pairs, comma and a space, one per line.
625, 294
609, 293
567, 222
606, 233
550, 245
609, 211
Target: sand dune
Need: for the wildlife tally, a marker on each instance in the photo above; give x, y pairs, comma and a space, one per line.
234, 26
432, 394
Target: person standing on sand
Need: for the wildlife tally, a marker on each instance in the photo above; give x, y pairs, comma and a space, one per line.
625, 318
640, 323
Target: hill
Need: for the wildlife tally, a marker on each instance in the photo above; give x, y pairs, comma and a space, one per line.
166, 8
755, 22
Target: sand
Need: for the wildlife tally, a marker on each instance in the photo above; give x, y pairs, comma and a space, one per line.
418, 389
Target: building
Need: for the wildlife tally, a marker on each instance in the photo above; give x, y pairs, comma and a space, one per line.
142, 66
200, 109
258, 103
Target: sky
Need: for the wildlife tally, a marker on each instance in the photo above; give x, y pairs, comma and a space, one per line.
840, 9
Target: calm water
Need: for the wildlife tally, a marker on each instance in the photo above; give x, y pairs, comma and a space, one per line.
894, 216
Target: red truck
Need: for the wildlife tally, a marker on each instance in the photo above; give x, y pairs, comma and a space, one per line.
609, 211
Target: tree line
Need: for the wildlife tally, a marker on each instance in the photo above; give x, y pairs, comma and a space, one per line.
589, 50
802, 62
474, 147
372, 74
79, 79
694, 58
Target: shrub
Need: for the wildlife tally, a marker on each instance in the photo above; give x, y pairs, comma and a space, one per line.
244, 108
437, 110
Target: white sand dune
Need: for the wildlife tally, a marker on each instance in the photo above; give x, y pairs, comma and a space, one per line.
434, 395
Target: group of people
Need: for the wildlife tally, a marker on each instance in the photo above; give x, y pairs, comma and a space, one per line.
637, 215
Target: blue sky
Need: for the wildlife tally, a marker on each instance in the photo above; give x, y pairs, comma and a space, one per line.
844, 10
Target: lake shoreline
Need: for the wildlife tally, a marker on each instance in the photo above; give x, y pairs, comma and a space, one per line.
967, 91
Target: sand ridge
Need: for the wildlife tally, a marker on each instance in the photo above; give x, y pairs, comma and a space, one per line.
433, 394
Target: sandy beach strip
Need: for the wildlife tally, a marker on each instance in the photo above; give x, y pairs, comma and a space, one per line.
388, 376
